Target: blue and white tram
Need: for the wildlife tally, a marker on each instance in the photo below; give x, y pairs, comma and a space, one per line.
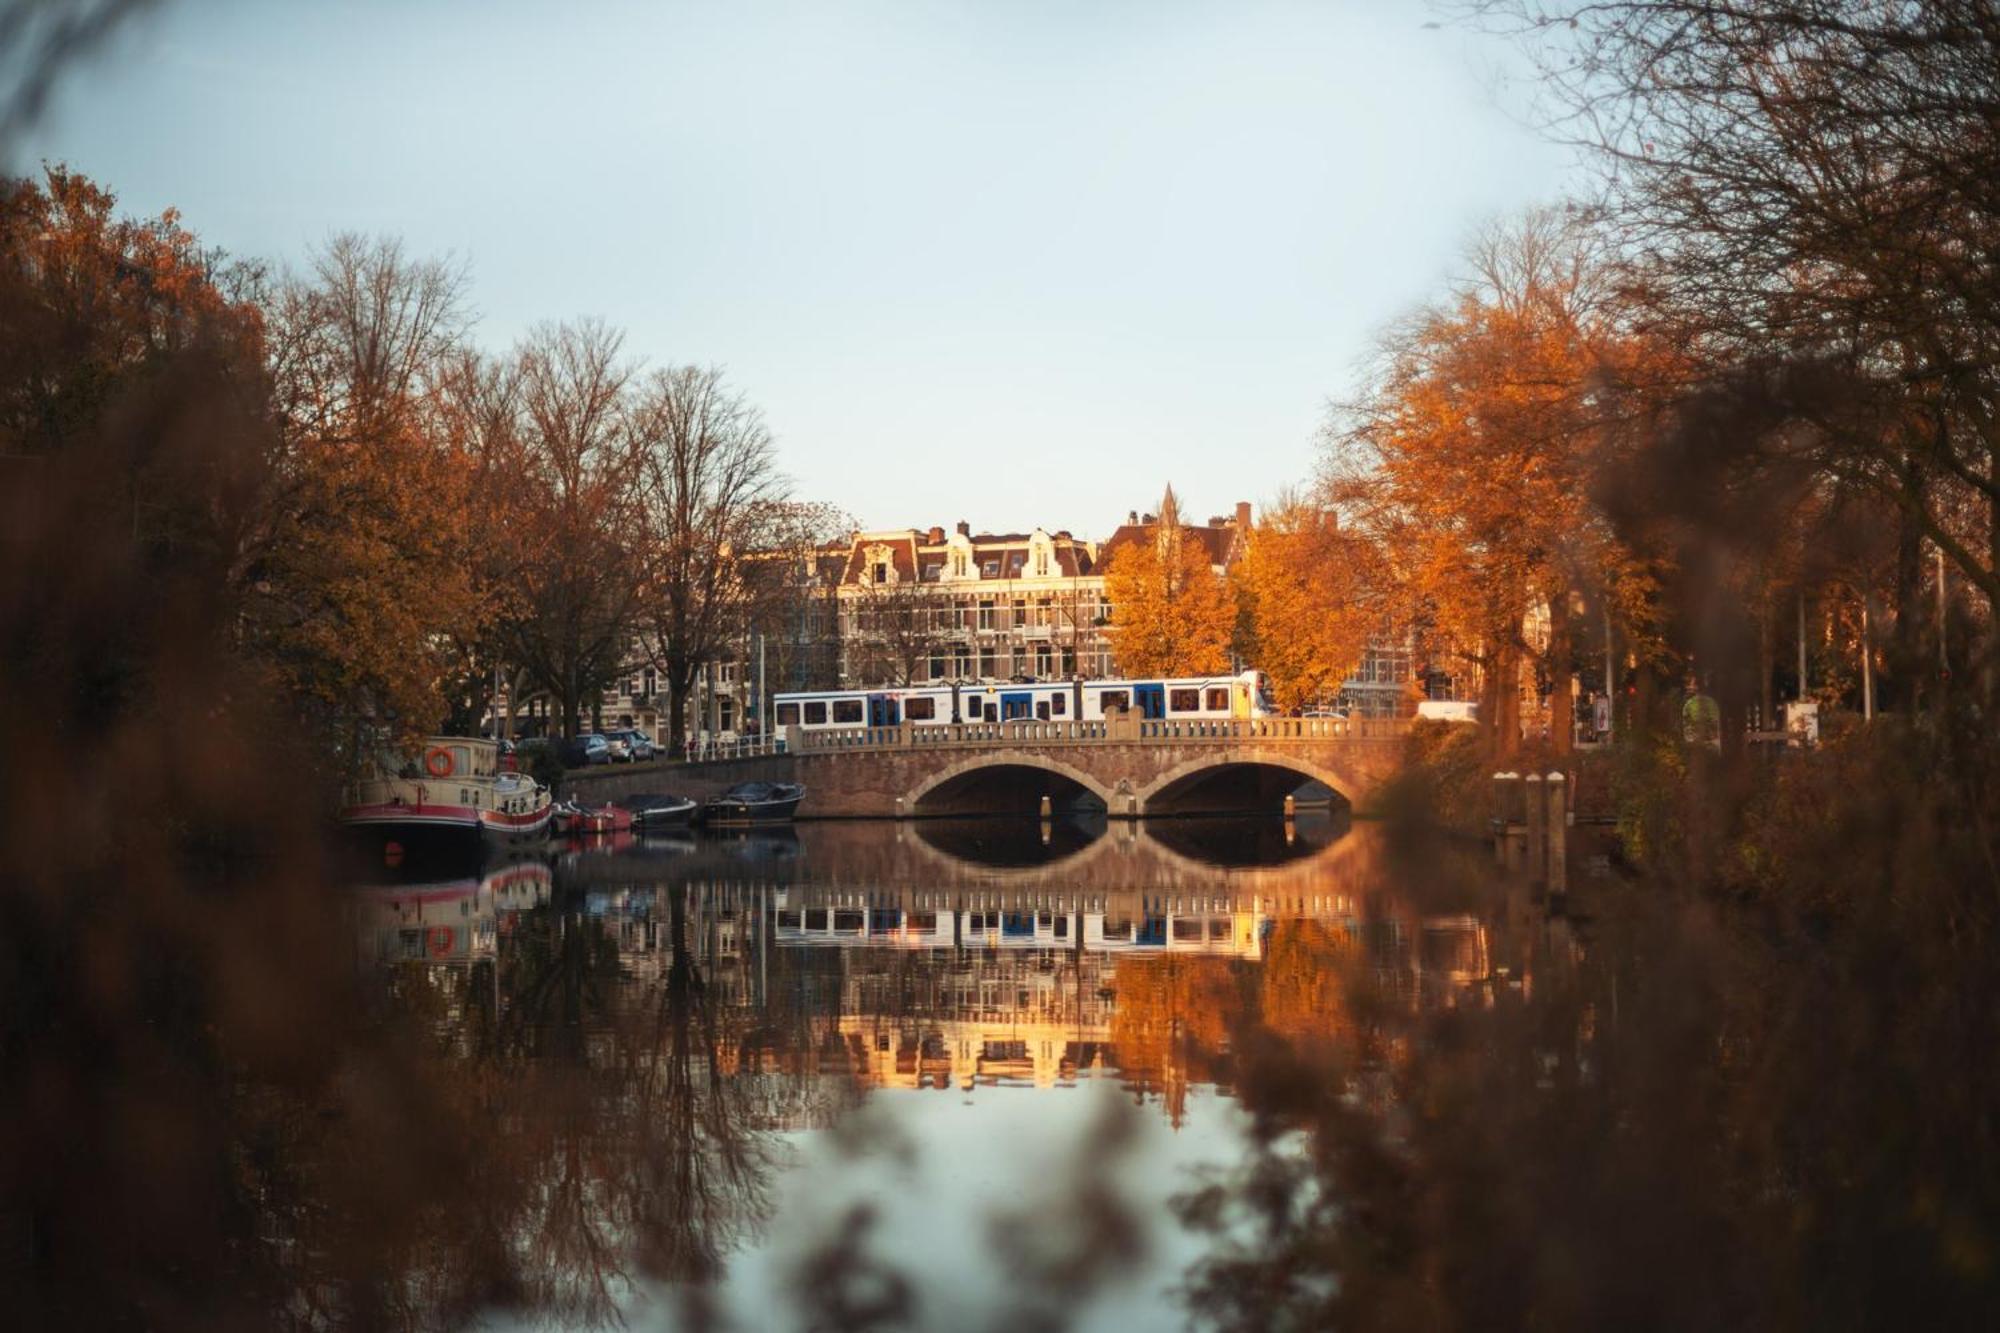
1214, 697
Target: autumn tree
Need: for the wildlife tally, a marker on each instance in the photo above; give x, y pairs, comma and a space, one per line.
1470, 461
580, 516
1805, 189
1172, 613
707, 478
368, 558
1309, 598
793, 582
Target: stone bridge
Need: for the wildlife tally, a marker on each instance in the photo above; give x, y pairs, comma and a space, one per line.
1129, 768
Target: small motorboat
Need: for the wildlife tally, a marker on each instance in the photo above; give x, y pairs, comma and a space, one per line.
571, 818
653, 812
753, 803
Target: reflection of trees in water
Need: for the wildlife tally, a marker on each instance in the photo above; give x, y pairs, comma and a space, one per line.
612, 1140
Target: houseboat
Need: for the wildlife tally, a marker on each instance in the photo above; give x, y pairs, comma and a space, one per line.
450, 798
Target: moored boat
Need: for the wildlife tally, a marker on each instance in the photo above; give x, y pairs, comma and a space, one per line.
571, 818
452, 798
653, 811
753, 803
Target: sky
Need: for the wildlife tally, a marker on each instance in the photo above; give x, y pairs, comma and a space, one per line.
1014, 263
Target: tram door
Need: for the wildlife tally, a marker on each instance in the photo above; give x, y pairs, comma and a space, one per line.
1014, 707
1151, 700
881, 711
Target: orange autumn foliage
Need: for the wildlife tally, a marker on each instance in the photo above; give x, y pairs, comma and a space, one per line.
1172, 614
1309, 600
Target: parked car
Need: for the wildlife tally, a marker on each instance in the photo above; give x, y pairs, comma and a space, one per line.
620, 752
583, 751
638, 746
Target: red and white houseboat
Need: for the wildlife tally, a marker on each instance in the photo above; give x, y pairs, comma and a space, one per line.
451, 797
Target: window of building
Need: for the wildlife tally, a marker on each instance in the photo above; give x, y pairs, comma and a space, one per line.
788, 715
1016, 563
1184, 701
990, 569
986, 615
652, 681
1020, 611
937, 666
920, 709
1044, 661
1217, 699
881, 571
933, 570
816, 713
846, 710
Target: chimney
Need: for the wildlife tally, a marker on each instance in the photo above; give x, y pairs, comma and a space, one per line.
1152, 518
964, 528
1218, 522
1132, 518
936, 537
1242, 513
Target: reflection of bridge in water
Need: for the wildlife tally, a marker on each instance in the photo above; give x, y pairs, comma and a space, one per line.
859, 955
914, 968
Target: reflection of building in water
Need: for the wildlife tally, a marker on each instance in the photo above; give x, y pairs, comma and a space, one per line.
814, 992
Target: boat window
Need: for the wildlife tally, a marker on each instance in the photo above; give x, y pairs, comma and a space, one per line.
846, 710
788, 715
1218, 699
816, 713
1184, 701
919, 710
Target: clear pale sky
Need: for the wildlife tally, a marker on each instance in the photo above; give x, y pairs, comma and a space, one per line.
1014, 263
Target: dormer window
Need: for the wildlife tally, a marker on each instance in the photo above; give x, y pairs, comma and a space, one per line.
881, 571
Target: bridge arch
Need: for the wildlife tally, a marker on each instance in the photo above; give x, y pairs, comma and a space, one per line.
1239, 780
1006, 782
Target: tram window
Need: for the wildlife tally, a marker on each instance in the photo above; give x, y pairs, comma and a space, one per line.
1058, 704
923, 921
1111, 699
919, 710
815, 918
787, 920
1218, 700
816, 713
1062, 927
1218, 930
1042, 710
846, 921
846, 710
1184, 701
1117, 928
788, 715
1187, 930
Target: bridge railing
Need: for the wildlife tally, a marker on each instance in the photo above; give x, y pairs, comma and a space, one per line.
1029, 731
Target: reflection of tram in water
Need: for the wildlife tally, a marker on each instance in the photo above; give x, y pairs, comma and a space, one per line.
1213, 698
452, 920
1218, 930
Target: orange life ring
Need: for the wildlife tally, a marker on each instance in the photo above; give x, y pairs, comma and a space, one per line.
438, 762
439, 940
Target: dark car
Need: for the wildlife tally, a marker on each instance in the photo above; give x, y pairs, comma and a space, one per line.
583, 751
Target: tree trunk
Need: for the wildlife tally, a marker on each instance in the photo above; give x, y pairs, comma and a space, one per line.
1906, 644
1562, 672
677, 693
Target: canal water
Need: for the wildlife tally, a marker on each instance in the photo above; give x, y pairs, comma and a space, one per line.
994, 1075
939, 1074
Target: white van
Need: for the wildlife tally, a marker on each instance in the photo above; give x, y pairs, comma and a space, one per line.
1448, 710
